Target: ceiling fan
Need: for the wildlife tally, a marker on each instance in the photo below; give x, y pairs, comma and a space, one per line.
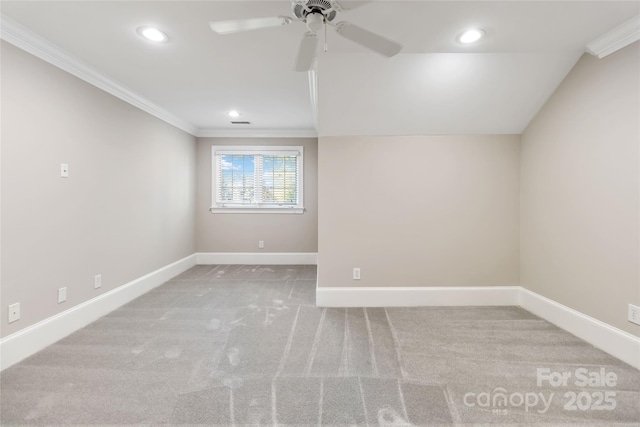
316, 14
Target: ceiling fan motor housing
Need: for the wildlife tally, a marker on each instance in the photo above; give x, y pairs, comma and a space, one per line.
325, 8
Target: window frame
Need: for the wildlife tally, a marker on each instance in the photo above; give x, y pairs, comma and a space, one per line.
272, 150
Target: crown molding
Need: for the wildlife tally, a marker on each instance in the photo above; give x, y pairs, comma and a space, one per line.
25, 39
256, 133
614, 40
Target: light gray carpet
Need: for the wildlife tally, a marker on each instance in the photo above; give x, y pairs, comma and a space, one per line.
245, 345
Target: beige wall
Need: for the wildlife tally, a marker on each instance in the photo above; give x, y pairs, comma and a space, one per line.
281, 232
580, 184
419, 211
452, 210
126, 210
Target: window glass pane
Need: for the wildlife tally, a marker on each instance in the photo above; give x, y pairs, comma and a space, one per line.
280, 180
237, 178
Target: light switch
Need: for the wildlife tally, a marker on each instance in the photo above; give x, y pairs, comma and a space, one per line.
64, 170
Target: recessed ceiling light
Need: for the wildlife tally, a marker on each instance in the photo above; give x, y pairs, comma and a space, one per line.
470, 36
233, 113
153, 34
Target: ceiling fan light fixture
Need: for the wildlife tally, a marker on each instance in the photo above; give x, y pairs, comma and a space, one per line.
470, 36
153, 34
315, 21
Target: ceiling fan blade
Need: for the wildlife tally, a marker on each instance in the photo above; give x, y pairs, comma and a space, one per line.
307, 52
366, 38
238, 25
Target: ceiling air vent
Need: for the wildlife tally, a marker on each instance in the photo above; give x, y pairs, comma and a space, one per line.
240, 123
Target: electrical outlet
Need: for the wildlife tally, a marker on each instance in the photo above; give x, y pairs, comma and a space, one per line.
634, 314
97, 281
14, 312
261, 244
356, 274
62, 295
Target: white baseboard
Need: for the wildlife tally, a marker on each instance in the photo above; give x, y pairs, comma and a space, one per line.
610, 339
416, 296
261, 258
34, 338
614, 341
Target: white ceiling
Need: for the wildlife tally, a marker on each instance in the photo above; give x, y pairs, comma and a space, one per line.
435, 86
436, 93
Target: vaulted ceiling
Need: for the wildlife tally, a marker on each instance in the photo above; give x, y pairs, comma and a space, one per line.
434, 86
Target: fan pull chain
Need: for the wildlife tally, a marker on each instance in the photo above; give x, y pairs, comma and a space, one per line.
325, 34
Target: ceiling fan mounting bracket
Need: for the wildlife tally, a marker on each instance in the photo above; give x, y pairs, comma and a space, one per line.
286, 20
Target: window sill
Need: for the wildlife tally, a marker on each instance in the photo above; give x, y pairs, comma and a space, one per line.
254, 210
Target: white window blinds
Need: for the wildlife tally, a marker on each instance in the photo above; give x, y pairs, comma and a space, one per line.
257, 177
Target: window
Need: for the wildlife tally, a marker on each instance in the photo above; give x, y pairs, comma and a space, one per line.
257, 179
